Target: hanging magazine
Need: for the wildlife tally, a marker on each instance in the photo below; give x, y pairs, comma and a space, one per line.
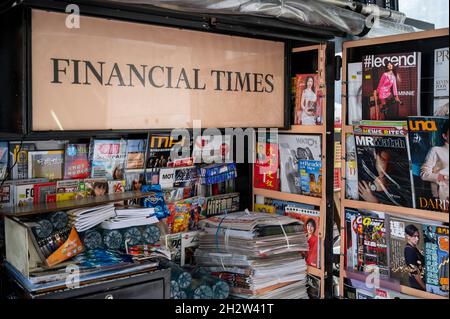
267, 162
391, 86
383, 167
436, 259
428, 140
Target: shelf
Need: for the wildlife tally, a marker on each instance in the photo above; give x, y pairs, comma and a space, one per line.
406, 211
396, 38
393, 286
316, 272
316, 201
42, 208
308, 48
305, 129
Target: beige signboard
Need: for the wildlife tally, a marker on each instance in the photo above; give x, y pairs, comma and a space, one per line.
110, 74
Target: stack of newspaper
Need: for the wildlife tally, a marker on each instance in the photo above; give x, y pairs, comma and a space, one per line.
258, 255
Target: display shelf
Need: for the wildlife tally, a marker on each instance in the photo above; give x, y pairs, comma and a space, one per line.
16, 211
316, 272
305, 129
316, 201
351, 51
406, 211
393, 286
305, 49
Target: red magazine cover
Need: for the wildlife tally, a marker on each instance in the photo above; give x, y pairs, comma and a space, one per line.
391, 86
41, 191
308, 100
310, 219
266, 164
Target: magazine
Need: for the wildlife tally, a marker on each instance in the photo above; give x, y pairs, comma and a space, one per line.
41, 190
134, 179
354, 92
280, 205
46, 164
293, 149
428, 140
311, 224
211, 149
310, 177
441, 66
436, 259
96, 187
391, 86
3, 160
406, 252
135, 154
384, 173
221, 204
161, 148
107, 158
267, 162
18, 155
308, 100
76, 162
351, 169
441, 107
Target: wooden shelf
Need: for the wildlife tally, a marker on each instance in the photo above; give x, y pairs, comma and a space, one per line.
316, 201
406, 211
305, 129
387, 284
43, 208
396, 38
305, 49
315, 272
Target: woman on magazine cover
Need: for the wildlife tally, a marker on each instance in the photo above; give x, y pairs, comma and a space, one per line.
414, 259
311, 258
306, 115
386, 92
435, 169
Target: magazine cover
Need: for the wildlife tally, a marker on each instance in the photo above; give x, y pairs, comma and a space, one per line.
391, 86
354, 92
436, 259
441, 66
267, 162
96, 187
280, 205
76, 162
6, 194
384, 174
308, 100
167, 178
3, 160
18, 154
161, 147
135, 154
351, 168
41, 191
406, 253
46, 164
311, 224
69, 189
185, 176
310, 177
117, 186
428, 140
440, 107
211, 149
365, 241
108, 158
221, 204
134, 179
294, 148
24, 194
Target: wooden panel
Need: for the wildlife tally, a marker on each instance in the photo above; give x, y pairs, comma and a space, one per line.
308, 48
69, 204
288, 197
305, 129
397, 38
151, 77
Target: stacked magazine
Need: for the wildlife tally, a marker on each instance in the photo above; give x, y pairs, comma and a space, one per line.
259, 255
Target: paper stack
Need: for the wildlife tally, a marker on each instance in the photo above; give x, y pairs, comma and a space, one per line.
258, 255
87, 218
129, 217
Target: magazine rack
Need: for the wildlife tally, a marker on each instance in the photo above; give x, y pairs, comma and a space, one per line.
316, 59
353, 52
